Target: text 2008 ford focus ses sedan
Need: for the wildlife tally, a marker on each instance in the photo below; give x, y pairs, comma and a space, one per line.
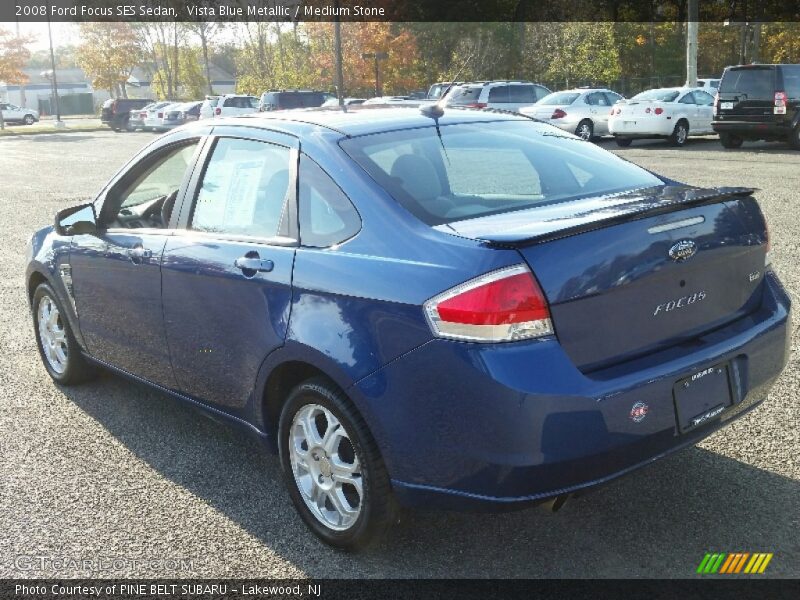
415, 308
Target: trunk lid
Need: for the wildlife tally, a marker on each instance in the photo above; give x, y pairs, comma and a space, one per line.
748, 93
622, 281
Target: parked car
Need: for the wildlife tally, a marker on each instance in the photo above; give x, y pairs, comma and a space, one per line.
176, 115
208, 106
582, 111
17, 114
671, 113
346, 101
522, 317
231, 105
115, 112
505, 95
758, 102
288, 99
380, 100
154, 114
136, 118
709, 85
437, 89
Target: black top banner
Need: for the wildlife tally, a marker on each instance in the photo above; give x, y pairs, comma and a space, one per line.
396, 10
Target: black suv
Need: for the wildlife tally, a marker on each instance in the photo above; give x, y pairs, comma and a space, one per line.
116, 111
286, 99
758, 102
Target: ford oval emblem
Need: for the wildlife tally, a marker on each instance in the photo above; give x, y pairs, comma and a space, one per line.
683, 250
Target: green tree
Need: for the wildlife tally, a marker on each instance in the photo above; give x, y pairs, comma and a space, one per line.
108, 52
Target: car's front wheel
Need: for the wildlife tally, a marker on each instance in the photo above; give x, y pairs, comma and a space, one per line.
728, 140
60, 352
680, 134
794, 138
334, 471
29, 120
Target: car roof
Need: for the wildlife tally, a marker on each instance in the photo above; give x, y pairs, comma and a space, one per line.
362, 120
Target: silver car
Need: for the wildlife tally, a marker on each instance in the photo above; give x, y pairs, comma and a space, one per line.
582, 111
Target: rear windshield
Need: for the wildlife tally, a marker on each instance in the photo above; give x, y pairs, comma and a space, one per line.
657, 95
753, 82
241, 102
460, 96
478, 169
559, 98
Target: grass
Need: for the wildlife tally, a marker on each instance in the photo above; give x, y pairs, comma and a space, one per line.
39, 128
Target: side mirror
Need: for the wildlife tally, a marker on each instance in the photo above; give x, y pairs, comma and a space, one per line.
76, 220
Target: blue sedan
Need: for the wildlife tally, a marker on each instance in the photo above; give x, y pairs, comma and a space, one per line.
467, 309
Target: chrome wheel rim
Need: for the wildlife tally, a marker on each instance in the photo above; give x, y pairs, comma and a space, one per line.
52, 335
585, 132
325, 467
681, 134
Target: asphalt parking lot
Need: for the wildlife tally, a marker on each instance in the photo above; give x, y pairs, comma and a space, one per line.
111, 470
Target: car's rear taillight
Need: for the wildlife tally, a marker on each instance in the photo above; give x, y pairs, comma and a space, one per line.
477, 105
142, 115
161, 115
501, 306
218, 111
114, 107
658, 110
558, 114
616, 111
780, 103
715, 109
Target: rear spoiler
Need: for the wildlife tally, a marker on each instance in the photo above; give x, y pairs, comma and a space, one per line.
564, 219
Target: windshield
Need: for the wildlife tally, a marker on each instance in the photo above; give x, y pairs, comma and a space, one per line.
658, 95
557, 98
478, 169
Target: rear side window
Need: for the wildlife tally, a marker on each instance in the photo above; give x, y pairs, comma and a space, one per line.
791, 80
499, 94
326, 215
476, 169
612, 98
703, 98
244, 189
597, 99
461, 96
541, 91
756, 83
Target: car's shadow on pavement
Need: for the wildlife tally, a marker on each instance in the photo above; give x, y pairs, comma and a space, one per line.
657, 522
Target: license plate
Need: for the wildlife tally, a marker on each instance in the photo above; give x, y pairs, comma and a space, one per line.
702, 397
726, 105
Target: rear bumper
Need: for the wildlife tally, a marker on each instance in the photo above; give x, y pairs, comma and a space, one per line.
753, 130
494, 426
644, 127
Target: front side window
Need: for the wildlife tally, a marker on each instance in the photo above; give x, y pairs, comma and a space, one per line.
687, 99
476, 169
327, 216
148, 201
244, 190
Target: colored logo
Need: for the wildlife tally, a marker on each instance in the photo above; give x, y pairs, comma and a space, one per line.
735, 563
683, 250
639, 412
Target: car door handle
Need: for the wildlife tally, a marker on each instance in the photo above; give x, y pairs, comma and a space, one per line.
248, 263
139, 253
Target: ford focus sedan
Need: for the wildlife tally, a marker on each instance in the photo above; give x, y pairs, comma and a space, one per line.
460, 309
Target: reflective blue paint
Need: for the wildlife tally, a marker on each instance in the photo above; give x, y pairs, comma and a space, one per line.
459, 424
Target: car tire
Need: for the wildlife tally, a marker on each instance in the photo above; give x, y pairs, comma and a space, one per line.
316, 466
585, 130
29, 120
680, 134
623, 142
60, 352
794, 138
728, 140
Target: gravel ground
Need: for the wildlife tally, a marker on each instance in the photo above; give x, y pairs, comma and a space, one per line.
111, 470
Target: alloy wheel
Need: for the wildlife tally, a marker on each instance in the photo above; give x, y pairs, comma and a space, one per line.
326, 469
681, 134
52, 335
584, 131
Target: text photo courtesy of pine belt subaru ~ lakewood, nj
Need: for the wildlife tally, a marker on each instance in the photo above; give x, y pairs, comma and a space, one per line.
421, 325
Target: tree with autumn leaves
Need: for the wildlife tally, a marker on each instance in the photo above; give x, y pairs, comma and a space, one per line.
108, 53
14, 55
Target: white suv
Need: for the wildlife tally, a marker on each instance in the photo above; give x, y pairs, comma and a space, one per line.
231, 105
15, 114
506, 95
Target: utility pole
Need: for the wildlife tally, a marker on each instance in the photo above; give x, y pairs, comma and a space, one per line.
59, 122
756, 54
337, 34
691, 44
22, 100
376, 56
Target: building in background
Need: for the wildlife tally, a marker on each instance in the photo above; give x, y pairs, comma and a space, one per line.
140, 83
74, 90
